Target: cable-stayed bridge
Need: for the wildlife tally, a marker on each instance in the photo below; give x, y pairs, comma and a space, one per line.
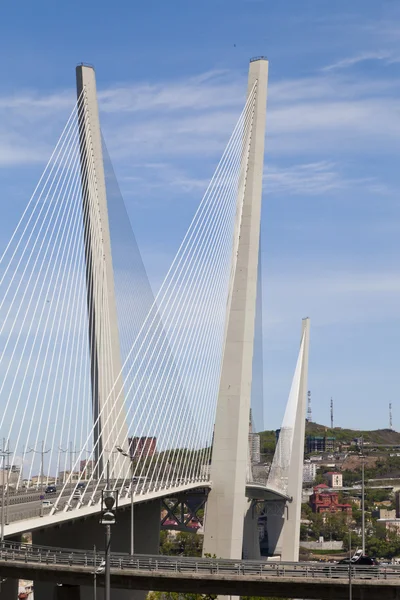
100, 380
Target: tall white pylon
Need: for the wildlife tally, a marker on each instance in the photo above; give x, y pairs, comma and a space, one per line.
104, 343
226, 504
291, 528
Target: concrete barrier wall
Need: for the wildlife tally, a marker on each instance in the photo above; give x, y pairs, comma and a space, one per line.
322, 545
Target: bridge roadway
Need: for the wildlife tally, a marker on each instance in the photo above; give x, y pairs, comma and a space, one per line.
24, 510
194, 575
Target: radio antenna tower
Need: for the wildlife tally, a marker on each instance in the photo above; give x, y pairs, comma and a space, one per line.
331, 413
309, 415
390, 416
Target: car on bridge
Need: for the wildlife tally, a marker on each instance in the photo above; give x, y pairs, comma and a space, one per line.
362, 566
51, 489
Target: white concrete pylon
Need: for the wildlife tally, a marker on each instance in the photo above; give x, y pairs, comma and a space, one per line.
108, 409
226, 502
291, 528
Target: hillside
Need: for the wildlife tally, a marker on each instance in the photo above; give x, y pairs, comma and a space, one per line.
378, 436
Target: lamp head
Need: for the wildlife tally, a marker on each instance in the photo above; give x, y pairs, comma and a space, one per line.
109, 502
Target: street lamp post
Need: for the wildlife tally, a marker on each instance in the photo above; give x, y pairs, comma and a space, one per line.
109, 504
124, 453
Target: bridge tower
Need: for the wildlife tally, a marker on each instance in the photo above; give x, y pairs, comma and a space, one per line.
105, 359
226, 504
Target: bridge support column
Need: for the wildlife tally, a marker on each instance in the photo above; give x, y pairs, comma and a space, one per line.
105, 359
226, 504
85, 534
9, 587
251, 536
274, 511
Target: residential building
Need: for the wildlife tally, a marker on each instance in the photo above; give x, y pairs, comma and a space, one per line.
309, 472
334, 479
319, 443
254, 445
86, 468
385, 514
324, 501
390, 524
142, 447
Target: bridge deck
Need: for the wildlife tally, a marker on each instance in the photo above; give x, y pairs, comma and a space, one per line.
212, 576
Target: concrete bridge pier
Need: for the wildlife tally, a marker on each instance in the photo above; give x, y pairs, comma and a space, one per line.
85, 534
251, 539
275, 513
9, 587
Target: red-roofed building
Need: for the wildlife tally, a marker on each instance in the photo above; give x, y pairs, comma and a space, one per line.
324, 501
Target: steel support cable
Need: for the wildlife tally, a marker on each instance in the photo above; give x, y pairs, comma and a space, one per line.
176, 260
52, 205
149, 411
53, 287
60, 161
55, 312
233, 192
165, 426
161, 412
46, 373
47, 167
84, 218
278, 471
241, 187
187, 349
75, 291
32, 295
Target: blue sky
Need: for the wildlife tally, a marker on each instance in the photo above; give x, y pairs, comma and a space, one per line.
172, 81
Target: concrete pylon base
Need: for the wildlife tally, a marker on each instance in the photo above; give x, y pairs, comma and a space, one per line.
9, 587
275, 511
251, 538
85, 534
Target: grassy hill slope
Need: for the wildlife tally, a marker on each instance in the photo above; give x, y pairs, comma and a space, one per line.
378, 436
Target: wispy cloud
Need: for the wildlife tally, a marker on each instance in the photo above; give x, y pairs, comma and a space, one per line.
312, 179
350, 61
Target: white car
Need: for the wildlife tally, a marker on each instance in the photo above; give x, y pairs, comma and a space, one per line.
47, 503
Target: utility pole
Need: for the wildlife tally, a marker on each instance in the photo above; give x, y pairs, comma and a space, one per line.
70, 466
362, 498
350, 582
309, 414
8, 480
42, 452
3, 454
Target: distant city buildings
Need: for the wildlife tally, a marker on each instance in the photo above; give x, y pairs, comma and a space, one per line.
254, 445
142, 447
